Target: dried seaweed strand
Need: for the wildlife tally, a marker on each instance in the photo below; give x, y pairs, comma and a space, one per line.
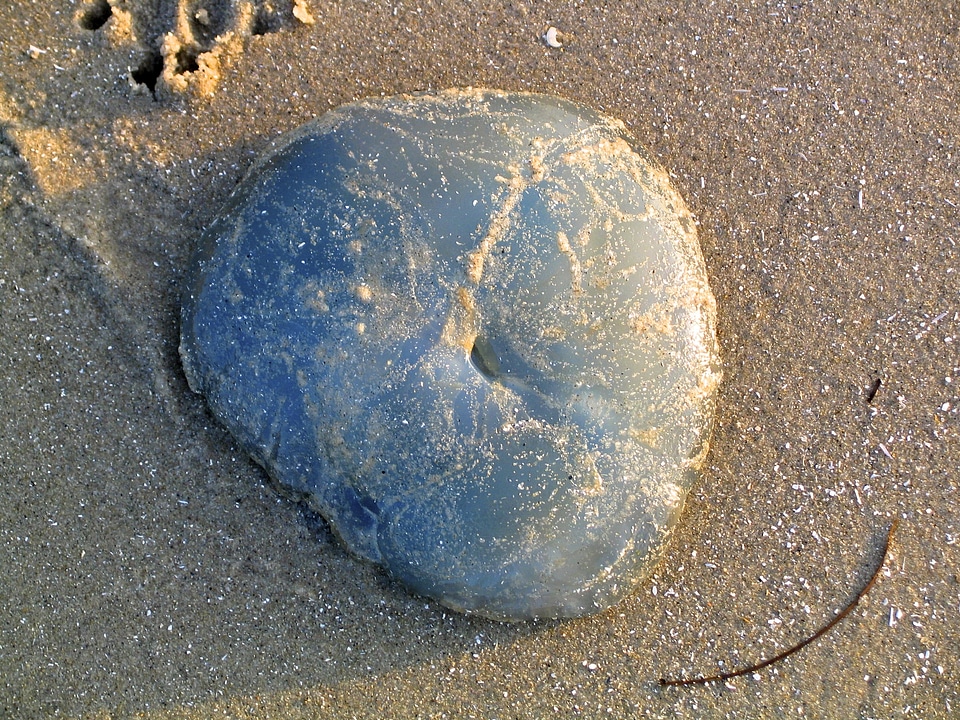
802, 644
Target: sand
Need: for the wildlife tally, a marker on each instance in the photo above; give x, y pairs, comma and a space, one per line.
148, 570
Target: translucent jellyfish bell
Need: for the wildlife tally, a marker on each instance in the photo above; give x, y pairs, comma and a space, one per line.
473, 330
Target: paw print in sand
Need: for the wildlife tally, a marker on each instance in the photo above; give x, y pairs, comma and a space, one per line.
186, 44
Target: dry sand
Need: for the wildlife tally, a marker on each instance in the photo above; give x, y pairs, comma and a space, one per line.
147, 570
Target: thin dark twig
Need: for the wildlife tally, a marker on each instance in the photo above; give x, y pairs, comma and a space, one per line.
872, 393
802, 644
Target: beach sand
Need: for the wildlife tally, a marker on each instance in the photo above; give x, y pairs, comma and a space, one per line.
147, 568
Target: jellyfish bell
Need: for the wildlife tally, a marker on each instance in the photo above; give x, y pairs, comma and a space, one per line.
473, 330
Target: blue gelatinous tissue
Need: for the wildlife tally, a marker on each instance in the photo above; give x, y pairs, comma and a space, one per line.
473, 330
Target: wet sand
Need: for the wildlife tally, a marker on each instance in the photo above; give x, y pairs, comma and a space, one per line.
147, 569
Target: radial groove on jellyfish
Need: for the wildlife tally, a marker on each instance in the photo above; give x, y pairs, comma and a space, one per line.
473, 330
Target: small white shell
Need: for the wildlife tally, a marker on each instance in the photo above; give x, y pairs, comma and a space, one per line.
552, 37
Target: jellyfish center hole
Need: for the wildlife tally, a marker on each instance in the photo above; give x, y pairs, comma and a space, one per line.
484, 358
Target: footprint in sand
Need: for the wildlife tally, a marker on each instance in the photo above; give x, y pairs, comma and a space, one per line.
186, 44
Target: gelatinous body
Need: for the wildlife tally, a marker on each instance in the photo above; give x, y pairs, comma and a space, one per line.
473, 330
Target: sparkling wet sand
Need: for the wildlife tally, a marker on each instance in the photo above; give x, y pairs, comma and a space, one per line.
148, 570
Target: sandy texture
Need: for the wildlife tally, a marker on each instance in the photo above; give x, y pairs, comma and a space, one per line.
146, 569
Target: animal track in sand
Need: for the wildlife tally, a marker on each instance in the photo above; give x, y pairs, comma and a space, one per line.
185, 44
